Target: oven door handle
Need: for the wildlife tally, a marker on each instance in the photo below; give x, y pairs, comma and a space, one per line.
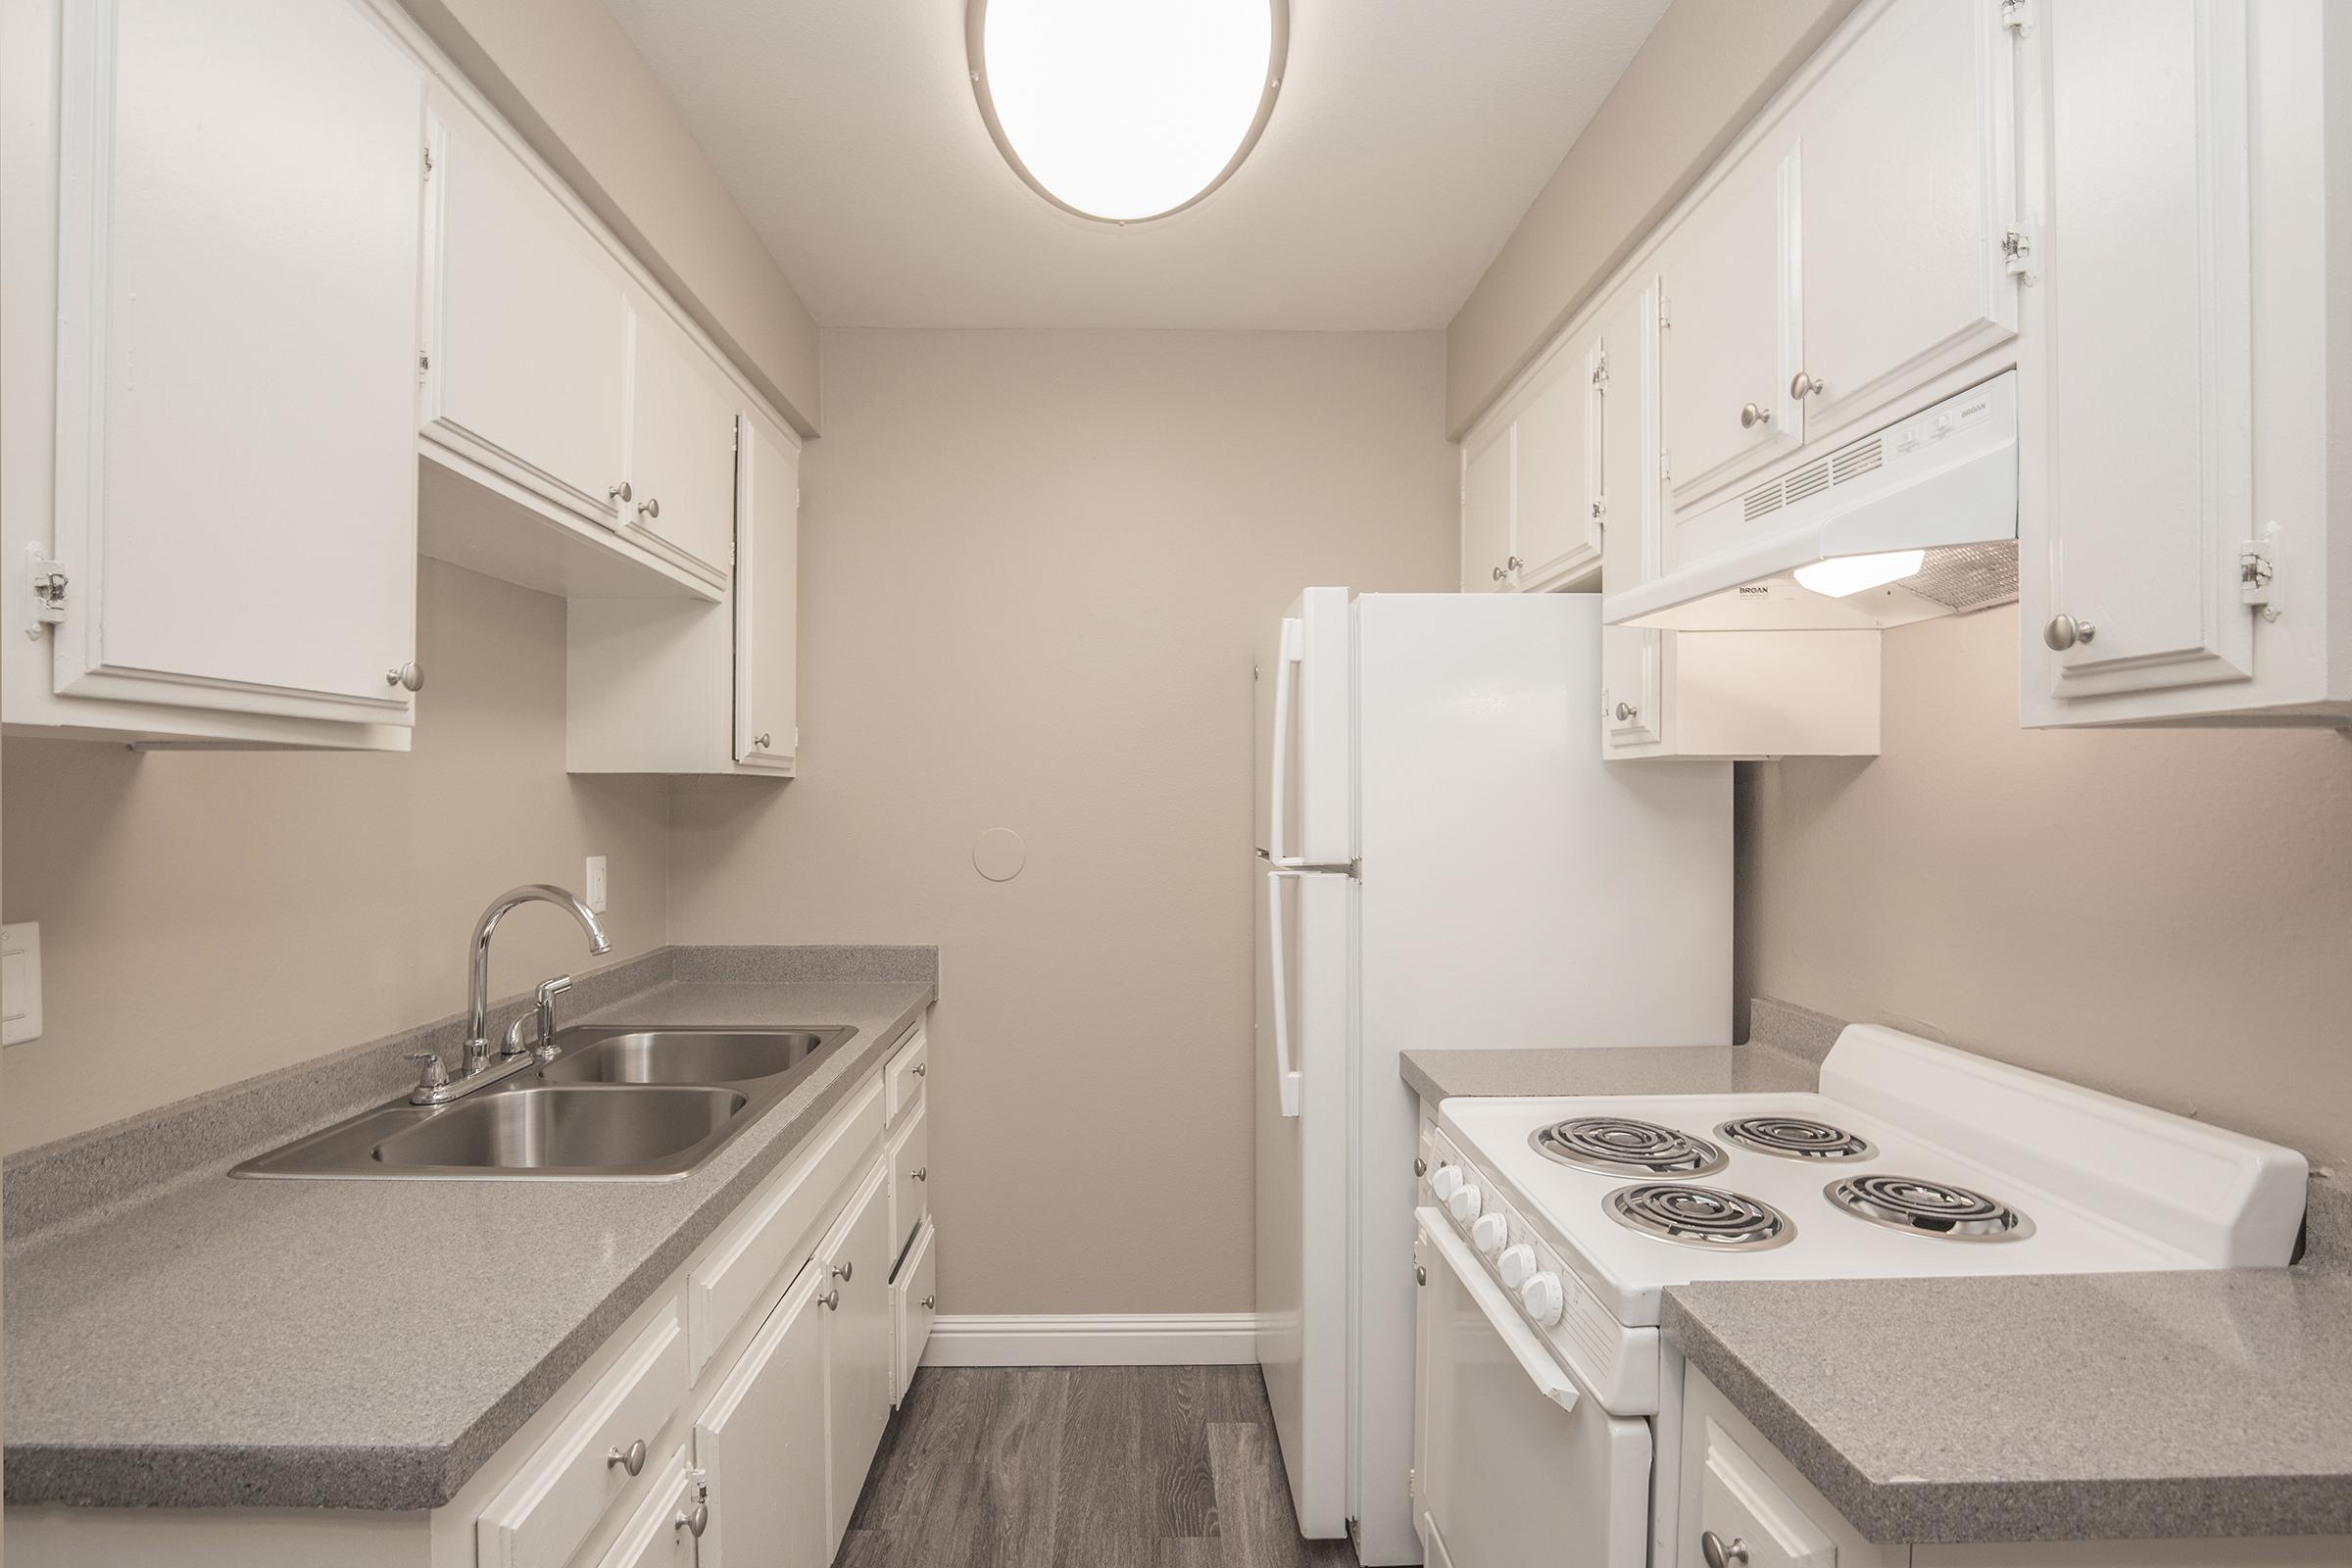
1533, 1359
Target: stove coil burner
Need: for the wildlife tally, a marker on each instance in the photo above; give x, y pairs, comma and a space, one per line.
1618, 1146
1929, 1208
1795, 1138
1700, 1216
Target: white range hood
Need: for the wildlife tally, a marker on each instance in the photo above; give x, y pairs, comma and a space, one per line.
1943, 482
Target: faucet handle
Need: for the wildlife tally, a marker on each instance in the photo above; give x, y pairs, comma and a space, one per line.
436, 1072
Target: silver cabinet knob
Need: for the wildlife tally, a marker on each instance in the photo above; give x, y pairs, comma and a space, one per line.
2064, 631
409, 676
1711, 1547
1498, 574
1803, 386
930, 1303
1420, 1166
920, 1069
1513, 565
760, 741
1752, 415
695, 1520
650, 507
921, 1173
832, 1299
1625, 712
631, 1459
844, 1271
1420, 1275
619, 492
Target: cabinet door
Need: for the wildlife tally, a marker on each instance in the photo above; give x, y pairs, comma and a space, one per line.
1486, 512
1910, 175
857, 1345
655, 1537
1732, 335
916, 1290
237, 357
761, 1442
767, 544
681, 449
1625, 356
2142, 413
1554, 526
530, 358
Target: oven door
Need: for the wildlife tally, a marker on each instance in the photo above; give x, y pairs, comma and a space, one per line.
1515, 1462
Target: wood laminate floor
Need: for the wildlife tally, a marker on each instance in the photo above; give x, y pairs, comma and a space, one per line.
1082, 1467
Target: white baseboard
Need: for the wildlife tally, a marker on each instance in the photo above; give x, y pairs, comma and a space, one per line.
1106, 1339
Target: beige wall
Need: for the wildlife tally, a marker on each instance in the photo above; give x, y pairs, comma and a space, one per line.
570, 80
1707, 68
209, 915
1032, 567
2166, 915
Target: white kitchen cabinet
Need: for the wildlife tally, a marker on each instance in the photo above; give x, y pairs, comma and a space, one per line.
1734, 329
915, 1293
856, 1261
2182, 436
1908, 196
657, 1534
528, 358
1487, 509
761, 1445
1527, 496
1633, 659
681, 466
766, 600
677, 686
237, 232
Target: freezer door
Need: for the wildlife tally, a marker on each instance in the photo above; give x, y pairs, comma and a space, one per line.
1302, 1273
1304, 797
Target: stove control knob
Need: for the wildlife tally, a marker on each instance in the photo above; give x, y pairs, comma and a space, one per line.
1541, 1295
1490, 1233
1465, 1204
1518, 1264
1444, 1182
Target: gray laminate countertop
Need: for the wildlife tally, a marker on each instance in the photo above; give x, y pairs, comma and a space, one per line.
370, 1345
2050, 1408
2043, 1408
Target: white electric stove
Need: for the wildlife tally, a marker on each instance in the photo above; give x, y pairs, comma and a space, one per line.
1552, 1227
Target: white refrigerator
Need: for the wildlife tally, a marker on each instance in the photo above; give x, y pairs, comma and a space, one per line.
1444, 861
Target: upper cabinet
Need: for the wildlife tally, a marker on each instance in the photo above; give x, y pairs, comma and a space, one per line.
1732, 340
681, 450
1530, 517
2175, 559
528, 357
234, 554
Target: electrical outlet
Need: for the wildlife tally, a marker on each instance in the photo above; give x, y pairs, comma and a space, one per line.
596, 883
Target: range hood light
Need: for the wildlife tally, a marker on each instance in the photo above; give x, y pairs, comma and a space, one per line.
1843, 575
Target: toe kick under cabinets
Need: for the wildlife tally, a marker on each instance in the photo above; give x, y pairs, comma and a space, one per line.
729, 1423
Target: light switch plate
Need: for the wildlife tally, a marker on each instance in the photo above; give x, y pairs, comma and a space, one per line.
596, 884
20, 982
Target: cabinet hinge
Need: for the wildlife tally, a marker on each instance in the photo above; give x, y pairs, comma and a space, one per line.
428, 160
2257, 571
1665, 463
424, 362
1665, 313
2017, 15
2016, 252
1600, 374
49, 582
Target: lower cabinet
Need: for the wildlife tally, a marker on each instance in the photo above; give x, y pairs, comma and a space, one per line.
857, 1261
915, 1295
761, 1446
660, 1534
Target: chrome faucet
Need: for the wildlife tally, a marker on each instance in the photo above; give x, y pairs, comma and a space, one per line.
438, 1085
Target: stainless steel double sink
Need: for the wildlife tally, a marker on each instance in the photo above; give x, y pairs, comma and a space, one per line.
620, 1102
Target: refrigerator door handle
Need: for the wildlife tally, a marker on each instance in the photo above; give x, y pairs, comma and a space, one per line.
1286, 1078
1286, 684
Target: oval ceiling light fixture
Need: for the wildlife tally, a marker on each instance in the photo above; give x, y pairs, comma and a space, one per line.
1126, 110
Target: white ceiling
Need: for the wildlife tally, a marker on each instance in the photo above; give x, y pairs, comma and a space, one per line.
1409, 138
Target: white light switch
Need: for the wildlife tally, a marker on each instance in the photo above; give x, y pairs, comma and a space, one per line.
20, 982
596, 883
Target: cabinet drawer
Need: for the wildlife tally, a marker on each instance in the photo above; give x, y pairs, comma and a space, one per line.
778, 1228
914, 1297
1745, 1509
565, 1488
906, 1071
910, 1178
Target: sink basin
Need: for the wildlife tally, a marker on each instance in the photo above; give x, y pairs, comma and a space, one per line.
683, 1055
621, 1103
562, 1129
